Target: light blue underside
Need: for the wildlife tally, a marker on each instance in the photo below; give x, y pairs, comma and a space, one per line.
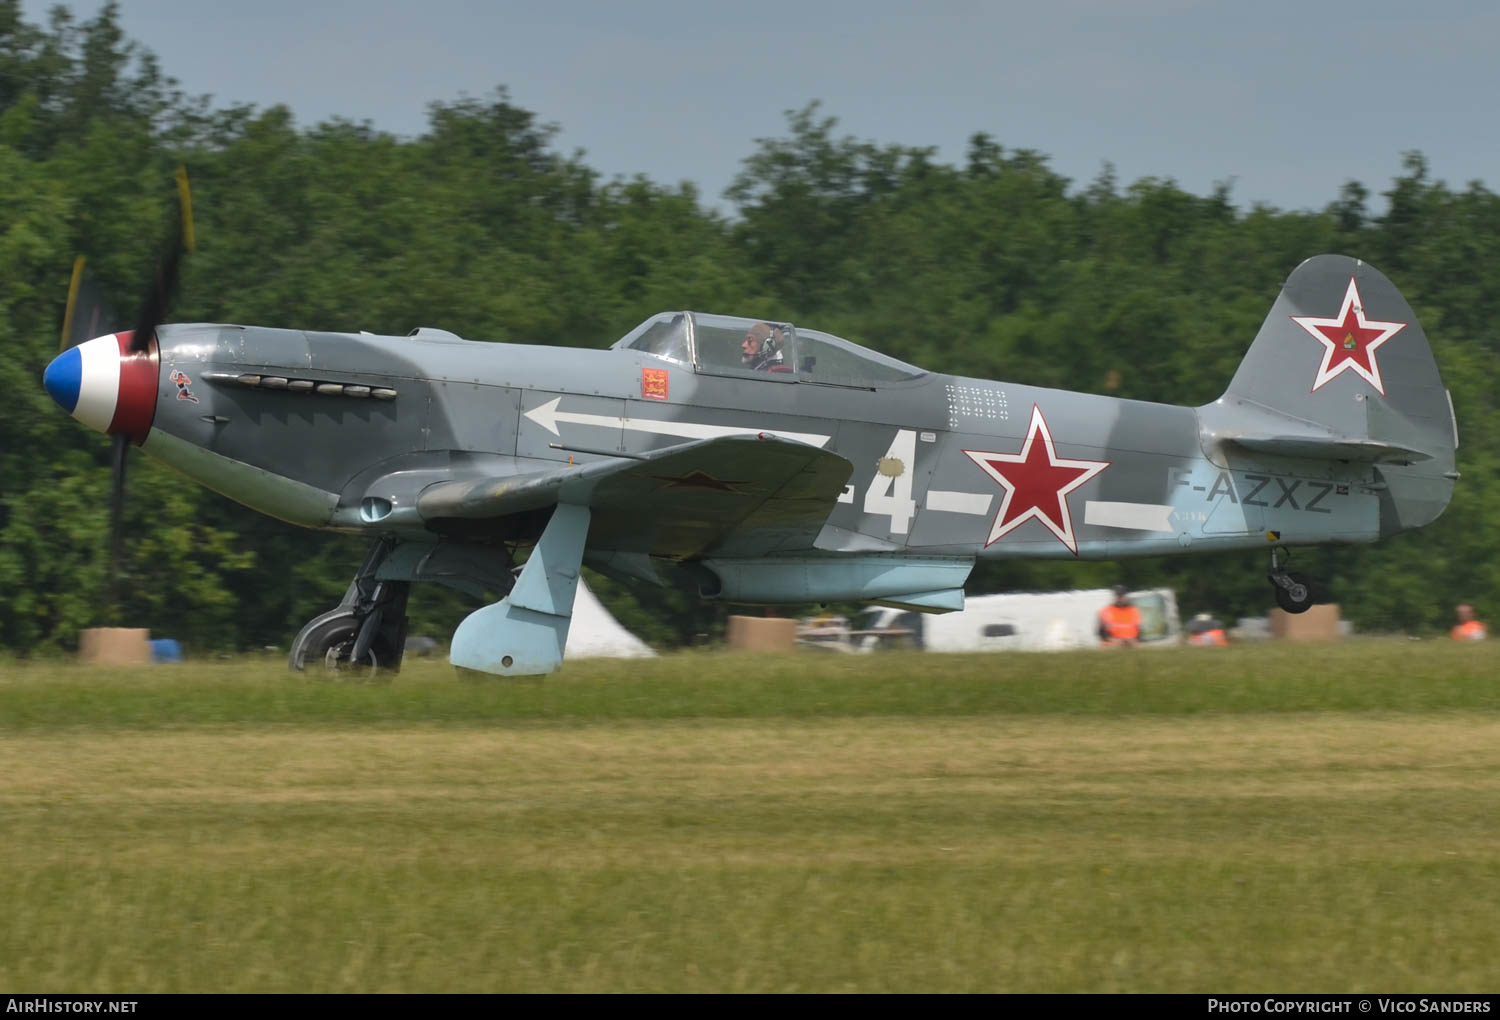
949, 600
530, 625
844, 578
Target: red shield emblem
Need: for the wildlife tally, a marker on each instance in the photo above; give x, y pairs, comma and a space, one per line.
654, 383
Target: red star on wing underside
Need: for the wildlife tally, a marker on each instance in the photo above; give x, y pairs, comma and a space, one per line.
696, 479
1349, 341
1036, 482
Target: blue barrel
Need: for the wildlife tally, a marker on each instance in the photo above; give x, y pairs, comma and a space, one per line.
165, 650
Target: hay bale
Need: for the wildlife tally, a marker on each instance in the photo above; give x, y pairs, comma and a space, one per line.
114, 646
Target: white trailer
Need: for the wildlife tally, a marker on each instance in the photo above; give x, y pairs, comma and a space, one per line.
1022, 622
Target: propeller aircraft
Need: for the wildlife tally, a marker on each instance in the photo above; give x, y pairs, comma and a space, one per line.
761, 462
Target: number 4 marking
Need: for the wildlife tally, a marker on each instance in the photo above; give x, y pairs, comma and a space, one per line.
890, 490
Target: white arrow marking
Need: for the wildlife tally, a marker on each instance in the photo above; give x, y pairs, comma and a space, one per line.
1135, 516
975, 503
547, 416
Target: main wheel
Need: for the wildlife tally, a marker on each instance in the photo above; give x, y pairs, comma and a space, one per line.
1296, 595
329, 644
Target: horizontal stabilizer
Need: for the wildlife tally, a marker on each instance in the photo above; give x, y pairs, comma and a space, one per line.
1332, 448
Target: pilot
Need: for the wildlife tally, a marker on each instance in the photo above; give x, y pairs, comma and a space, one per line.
1120, 622
761, 348
1467, 628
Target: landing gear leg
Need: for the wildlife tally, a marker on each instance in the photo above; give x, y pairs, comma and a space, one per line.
1294, 592
365, 634
525, 633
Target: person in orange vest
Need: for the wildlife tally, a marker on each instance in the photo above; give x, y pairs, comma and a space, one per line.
1119, 622
1205, 630
1468, 628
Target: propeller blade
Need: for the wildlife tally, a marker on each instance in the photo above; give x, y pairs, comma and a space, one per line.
88, 315
67, 329
185, 206
119, 451
164, 286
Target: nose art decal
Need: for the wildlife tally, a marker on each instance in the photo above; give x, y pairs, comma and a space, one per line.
180, 377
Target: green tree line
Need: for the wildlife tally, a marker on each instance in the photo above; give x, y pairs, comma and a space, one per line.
998, 267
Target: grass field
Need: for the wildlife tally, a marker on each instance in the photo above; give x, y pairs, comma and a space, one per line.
1248, 819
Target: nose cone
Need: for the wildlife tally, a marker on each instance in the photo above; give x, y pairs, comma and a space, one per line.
105, 386
64, 377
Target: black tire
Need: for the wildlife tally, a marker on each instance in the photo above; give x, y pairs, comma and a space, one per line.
325, 650
1296, 596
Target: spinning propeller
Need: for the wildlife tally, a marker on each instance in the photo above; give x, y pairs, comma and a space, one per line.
109, 381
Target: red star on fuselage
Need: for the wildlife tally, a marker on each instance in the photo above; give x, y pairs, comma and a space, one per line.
1349, 341
1036, 482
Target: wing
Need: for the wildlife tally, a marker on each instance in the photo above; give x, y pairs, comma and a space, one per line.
733, 496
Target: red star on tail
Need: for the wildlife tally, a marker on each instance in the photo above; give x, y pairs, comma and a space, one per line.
1037, 482
1349, 341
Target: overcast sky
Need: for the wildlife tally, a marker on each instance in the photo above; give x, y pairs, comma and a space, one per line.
1286, 98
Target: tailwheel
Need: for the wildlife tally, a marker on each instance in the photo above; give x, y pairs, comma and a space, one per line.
1294, 592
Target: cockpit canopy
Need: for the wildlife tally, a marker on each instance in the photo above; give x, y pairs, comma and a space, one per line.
780, 352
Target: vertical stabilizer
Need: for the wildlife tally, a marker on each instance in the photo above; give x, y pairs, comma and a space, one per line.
1342, 370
